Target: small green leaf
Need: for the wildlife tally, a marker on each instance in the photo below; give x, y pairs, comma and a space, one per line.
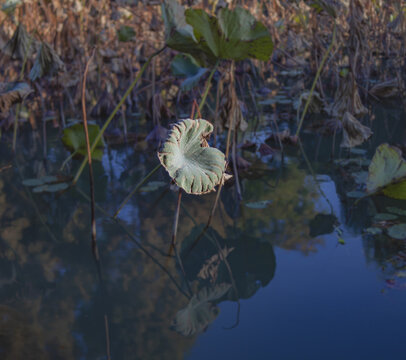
397, 231
74, 139
191, 163
126, 33
341, 241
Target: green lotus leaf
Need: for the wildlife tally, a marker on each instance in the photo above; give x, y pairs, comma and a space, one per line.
192, 164
185, 66
74, 139
178, 34
233, 34
387, 172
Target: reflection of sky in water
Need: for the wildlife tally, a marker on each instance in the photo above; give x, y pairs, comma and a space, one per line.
327, 305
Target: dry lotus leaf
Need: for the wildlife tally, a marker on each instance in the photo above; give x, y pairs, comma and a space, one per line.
191, 163
354, 133
46, 62
21, 45
12, 93
386, 89
347, 99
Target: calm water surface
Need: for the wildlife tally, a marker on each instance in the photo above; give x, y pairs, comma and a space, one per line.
310, 283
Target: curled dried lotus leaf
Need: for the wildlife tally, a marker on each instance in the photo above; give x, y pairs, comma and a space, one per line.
192, 164
12, 93
354, 133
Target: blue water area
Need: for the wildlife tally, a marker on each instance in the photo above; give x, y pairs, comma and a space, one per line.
289, 272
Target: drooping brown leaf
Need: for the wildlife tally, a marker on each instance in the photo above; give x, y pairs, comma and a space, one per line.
21, 44
231, 106
12, 93
46, 62
347, 99
385, 89
354, 133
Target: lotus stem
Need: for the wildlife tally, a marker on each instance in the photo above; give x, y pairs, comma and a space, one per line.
137, 187
111, 117
208, 85
95, 250
67, 160
320, 68
17, 115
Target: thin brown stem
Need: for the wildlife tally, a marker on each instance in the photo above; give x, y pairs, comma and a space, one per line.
95, 250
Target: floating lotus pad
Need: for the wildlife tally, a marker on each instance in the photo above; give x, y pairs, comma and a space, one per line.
192, 164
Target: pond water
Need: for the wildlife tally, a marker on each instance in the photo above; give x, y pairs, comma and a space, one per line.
311, 283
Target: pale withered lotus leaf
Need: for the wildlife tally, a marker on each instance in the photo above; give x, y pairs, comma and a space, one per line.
387, 172
192, 164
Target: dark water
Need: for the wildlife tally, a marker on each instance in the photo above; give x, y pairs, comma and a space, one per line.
310, 283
